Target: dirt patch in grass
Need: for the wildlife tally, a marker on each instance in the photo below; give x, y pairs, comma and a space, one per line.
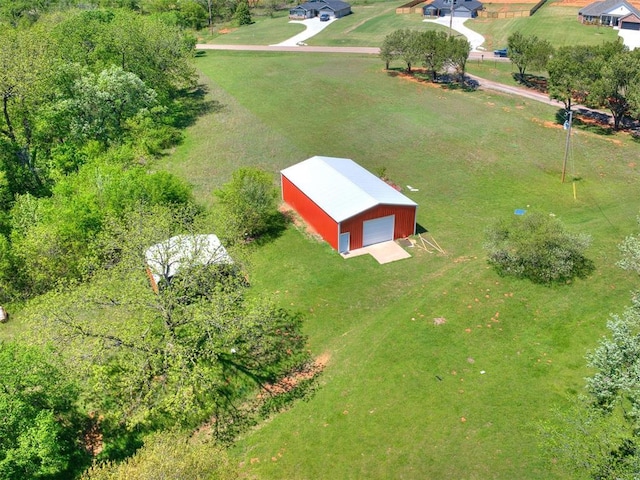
417, 75
290, 382
293, 216
546, 123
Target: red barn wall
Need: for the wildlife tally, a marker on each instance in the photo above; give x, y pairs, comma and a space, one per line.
310, 212
405, 222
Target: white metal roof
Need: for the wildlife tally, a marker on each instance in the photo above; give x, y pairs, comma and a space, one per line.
341, 187
165, 259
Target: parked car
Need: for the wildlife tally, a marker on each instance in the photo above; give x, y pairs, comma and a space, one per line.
500, 53
324, 17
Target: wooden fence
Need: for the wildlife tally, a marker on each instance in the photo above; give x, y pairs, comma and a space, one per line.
513, 14
411, 7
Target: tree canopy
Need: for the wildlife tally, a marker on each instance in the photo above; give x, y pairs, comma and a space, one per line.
435, 50
191, 352
604, 76
40, 427
528, 52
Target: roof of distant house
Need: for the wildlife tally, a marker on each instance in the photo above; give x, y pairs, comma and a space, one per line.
596, 9
318, 4
631, 18
341, 187
446, 4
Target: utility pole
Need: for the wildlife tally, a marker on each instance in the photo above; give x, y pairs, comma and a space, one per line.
453, 4
210, 10
567, 127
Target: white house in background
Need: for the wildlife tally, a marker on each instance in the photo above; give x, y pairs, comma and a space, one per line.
607, 12
315, 8
165, 259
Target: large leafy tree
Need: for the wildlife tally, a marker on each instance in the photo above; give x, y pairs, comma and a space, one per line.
528, 52
458, 50
433, 46
102, 104
242, 14
392, 47
25, 79
40, 427
617, 84
571, 70
403, 45
192, 352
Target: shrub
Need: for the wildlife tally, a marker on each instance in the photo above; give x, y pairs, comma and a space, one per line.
249, 203
538, 248
169, 455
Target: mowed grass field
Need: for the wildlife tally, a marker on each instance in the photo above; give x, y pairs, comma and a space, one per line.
371, 23
553, 22
401, 397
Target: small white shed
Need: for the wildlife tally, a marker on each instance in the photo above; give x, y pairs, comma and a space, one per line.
165, 259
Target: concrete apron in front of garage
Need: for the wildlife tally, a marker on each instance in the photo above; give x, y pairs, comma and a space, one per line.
384, 252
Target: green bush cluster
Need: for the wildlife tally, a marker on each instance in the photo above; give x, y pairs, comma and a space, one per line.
537, 247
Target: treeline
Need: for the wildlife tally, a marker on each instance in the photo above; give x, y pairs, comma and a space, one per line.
194, 14
604, 76
436, 51
88, 98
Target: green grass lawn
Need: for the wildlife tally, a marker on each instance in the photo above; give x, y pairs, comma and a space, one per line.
401, 397
369, 25
264, 31
498, 71
555, 23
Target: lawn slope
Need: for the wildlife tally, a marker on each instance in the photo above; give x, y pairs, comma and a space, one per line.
401, 397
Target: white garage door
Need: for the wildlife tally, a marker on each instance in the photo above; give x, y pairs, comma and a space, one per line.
378, 230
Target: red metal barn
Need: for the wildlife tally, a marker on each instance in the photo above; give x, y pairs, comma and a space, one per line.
346, 204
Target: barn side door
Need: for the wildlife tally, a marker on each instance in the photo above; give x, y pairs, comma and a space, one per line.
343, 243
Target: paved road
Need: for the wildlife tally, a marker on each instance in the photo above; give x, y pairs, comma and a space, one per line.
290, 48
283, 48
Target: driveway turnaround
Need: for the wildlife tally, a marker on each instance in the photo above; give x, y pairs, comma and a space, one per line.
314, 26
475, 39
631, 38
